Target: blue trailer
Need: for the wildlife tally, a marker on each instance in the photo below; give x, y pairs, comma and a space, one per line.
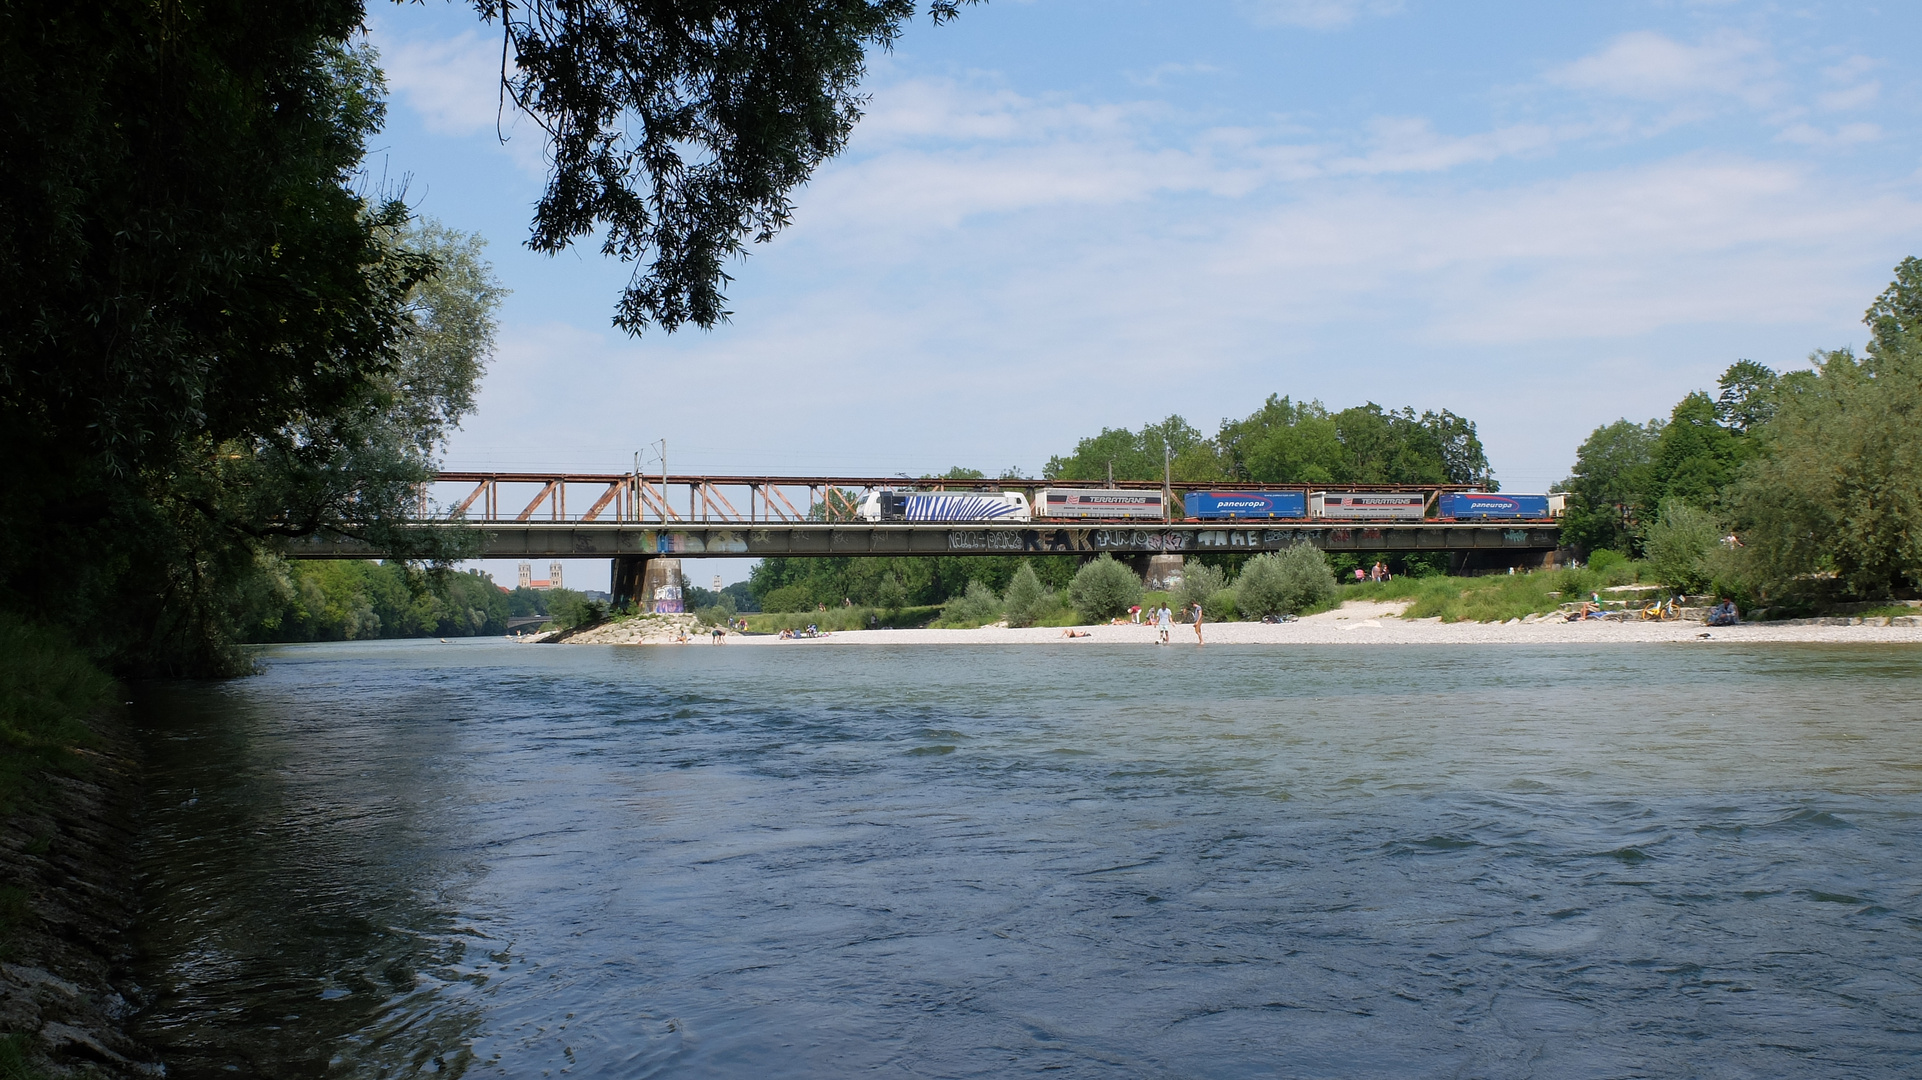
1482, 504
1246, 504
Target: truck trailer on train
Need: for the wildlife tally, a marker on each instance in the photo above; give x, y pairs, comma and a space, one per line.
1488, 504
1106, 504
1368, 505
1213, 505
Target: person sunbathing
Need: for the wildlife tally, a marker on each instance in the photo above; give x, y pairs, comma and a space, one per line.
1071, 632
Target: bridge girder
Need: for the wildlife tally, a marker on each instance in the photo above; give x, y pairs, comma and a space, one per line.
600, 540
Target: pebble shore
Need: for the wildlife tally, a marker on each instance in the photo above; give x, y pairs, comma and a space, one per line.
1358, 622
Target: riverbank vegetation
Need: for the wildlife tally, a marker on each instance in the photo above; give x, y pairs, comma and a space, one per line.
49, 688
1500, 597
227, 336
1791, 489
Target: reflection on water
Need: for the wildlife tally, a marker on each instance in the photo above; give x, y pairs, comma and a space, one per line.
481, 858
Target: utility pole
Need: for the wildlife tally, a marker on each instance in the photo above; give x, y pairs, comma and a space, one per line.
1111, 472
1167, 482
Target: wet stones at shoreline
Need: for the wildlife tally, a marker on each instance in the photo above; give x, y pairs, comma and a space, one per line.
66, 960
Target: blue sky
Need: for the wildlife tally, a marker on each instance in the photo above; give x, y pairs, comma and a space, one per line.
1068, 214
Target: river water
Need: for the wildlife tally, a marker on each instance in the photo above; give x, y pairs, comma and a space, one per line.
487, 859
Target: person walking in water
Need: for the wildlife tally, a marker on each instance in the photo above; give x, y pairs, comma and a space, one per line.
1198, 640
1162, 618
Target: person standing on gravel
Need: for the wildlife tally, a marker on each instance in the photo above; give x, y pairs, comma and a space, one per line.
1197, 613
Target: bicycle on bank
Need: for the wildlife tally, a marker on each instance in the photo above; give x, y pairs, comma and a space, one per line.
1663, 611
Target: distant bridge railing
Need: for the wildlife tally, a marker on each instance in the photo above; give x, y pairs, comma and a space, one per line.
640, 498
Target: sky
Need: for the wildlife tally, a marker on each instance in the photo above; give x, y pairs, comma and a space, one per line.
1064, 215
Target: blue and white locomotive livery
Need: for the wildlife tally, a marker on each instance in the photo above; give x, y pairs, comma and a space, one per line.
944, 506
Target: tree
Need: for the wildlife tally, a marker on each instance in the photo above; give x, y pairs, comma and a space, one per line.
1285, 582
1678, 544
209, 314
890, 592
1747, 400
978, 606
677, 130
1608, 485
1104, 589
1026, 597
1695, 457
1132, 455
1839, 490
1199, 584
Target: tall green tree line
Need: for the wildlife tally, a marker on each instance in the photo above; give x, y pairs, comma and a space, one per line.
1289, 442
223, 337
1815, 473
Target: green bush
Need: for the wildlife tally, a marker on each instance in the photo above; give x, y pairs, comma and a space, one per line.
1198, 585
1679, 543
976, 607
891, 594
1602, 559
787, 598
1220, 606
1104, 589
48, 688
1027, 599
1285, 582
571, 609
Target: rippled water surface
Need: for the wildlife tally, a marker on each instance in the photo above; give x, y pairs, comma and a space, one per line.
400, 858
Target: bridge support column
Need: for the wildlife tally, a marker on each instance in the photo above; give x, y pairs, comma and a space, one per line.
1164, 572
628, 572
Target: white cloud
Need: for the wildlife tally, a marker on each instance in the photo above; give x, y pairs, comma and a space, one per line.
1651, 67
453, 85
1854, 97
1315, 14
1846, 135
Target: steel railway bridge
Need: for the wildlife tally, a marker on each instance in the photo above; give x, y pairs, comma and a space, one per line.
632, 518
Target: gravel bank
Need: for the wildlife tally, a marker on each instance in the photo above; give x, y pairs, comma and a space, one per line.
1356, 623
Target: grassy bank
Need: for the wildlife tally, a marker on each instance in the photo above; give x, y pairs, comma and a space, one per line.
843, 618
1496, 597
48, 689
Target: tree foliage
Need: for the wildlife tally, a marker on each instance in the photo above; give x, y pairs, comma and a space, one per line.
1285, 442
347, 600
1840, 489
1608, 485
1680, 541
1104, 589
676, 131
1026, 598
209, 348
1285, 582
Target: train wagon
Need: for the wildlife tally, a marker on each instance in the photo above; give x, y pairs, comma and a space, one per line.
945, 506
1211, 505
1104, 503
1368, 505
1484, 504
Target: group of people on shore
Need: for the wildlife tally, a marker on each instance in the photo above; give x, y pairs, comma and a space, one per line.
1162, 619
1377, 573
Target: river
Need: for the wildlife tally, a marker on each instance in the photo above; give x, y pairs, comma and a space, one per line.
480, 858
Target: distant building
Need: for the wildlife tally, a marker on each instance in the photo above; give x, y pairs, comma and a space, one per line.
529, 581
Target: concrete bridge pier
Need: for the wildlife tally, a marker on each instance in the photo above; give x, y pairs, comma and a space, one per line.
628, 573
649, 582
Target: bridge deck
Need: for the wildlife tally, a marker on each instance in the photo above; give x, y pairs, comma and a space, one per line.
564, 539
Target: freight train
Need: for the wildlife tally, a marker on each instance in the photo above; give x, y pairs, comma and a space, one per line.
1107, 504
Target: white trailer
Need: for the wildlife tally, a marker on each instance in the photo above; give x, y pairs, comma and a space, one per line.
1103, 503
1368, 505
